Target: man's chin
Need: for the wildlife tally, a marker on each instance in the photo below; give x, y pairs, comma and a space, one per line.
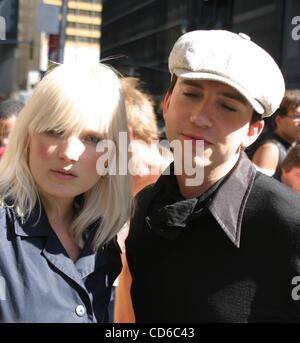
201, 161
197, 162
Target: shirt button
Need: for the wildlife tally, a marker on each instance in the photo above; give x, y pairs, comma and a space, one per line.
80, 311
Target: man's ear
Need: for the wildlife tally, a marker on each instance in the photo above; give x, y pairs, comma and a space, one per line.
255, 129
283, 173
166, 103
277, 120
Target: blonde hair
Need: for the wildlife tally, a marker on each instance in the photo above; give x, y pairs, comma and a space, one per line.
140, 110
64, 100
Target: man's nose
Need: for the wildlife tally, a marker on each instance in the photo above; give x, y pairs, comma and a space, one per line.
71, 148
202, 114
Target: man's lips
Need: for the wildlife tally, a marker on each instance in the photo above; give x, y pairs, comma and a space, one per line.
187, 136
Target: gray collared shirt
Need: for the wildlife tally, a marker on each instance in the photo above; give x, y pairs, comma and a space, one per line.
40, 283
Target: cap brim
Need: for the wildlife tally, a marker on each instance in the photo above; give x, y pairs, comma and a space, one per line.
215, 77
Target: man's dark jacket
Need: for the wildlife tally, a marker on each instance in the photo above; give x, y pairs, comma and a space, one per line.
231, 255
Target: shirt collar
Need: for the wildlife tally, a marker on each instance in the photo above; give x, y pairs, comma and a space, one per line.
237, 187
36, 225
170, 213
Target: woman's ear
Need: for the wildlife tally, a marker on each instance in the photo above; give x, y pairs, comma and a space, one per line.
255, 129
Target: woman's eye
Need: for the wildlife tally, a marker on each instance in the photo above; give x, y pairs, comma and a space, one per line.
55, 132
229, 108
92, 139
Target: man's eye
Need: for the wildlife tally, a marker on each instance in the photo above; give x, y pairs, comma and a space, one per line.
190, 95
92, 139
228, 108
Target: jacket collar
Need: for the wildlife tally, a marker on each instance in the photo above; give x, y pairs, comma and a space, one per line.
169, 213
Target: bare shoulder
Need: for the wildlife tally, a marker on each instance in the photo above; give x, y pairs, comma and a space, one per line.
266, 156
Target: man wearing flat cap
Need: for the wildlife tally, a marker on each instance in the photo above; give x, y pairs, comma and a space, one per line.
226, 248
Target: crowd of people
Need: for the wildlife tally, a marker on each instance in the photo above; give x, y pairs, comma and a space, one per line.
99, 222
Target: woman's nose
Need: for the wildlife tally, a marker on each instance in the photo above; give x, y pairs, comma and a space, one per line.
71, 148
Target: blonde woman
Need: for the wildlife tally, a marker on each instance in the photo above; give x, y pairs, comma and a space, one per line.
58, 216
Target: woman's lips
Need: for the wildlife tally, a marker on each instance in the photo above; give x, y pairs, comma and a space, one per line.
63, 174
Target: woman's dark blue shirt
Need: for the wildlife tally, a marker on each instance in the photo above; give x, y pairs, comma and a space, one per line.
40, 283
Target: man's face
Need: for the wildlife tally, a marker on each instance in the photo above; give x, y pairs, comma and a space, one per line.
292, 178
213, 112
6, 125
289, 125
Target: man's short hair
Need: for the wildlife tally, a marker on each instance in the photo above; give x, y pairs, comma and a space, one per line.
292, 159
9, 108
290, 101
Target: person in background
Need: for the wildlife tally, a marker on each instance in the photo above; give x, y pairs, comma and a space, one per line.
271, 152
290, 169
149, 160
9, 110
59, 214
214, 240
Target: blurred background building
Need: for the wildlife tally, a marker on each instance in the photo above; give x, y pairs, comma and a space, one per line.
34, 32
137, 34
82, 31
9, 11
140, 33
